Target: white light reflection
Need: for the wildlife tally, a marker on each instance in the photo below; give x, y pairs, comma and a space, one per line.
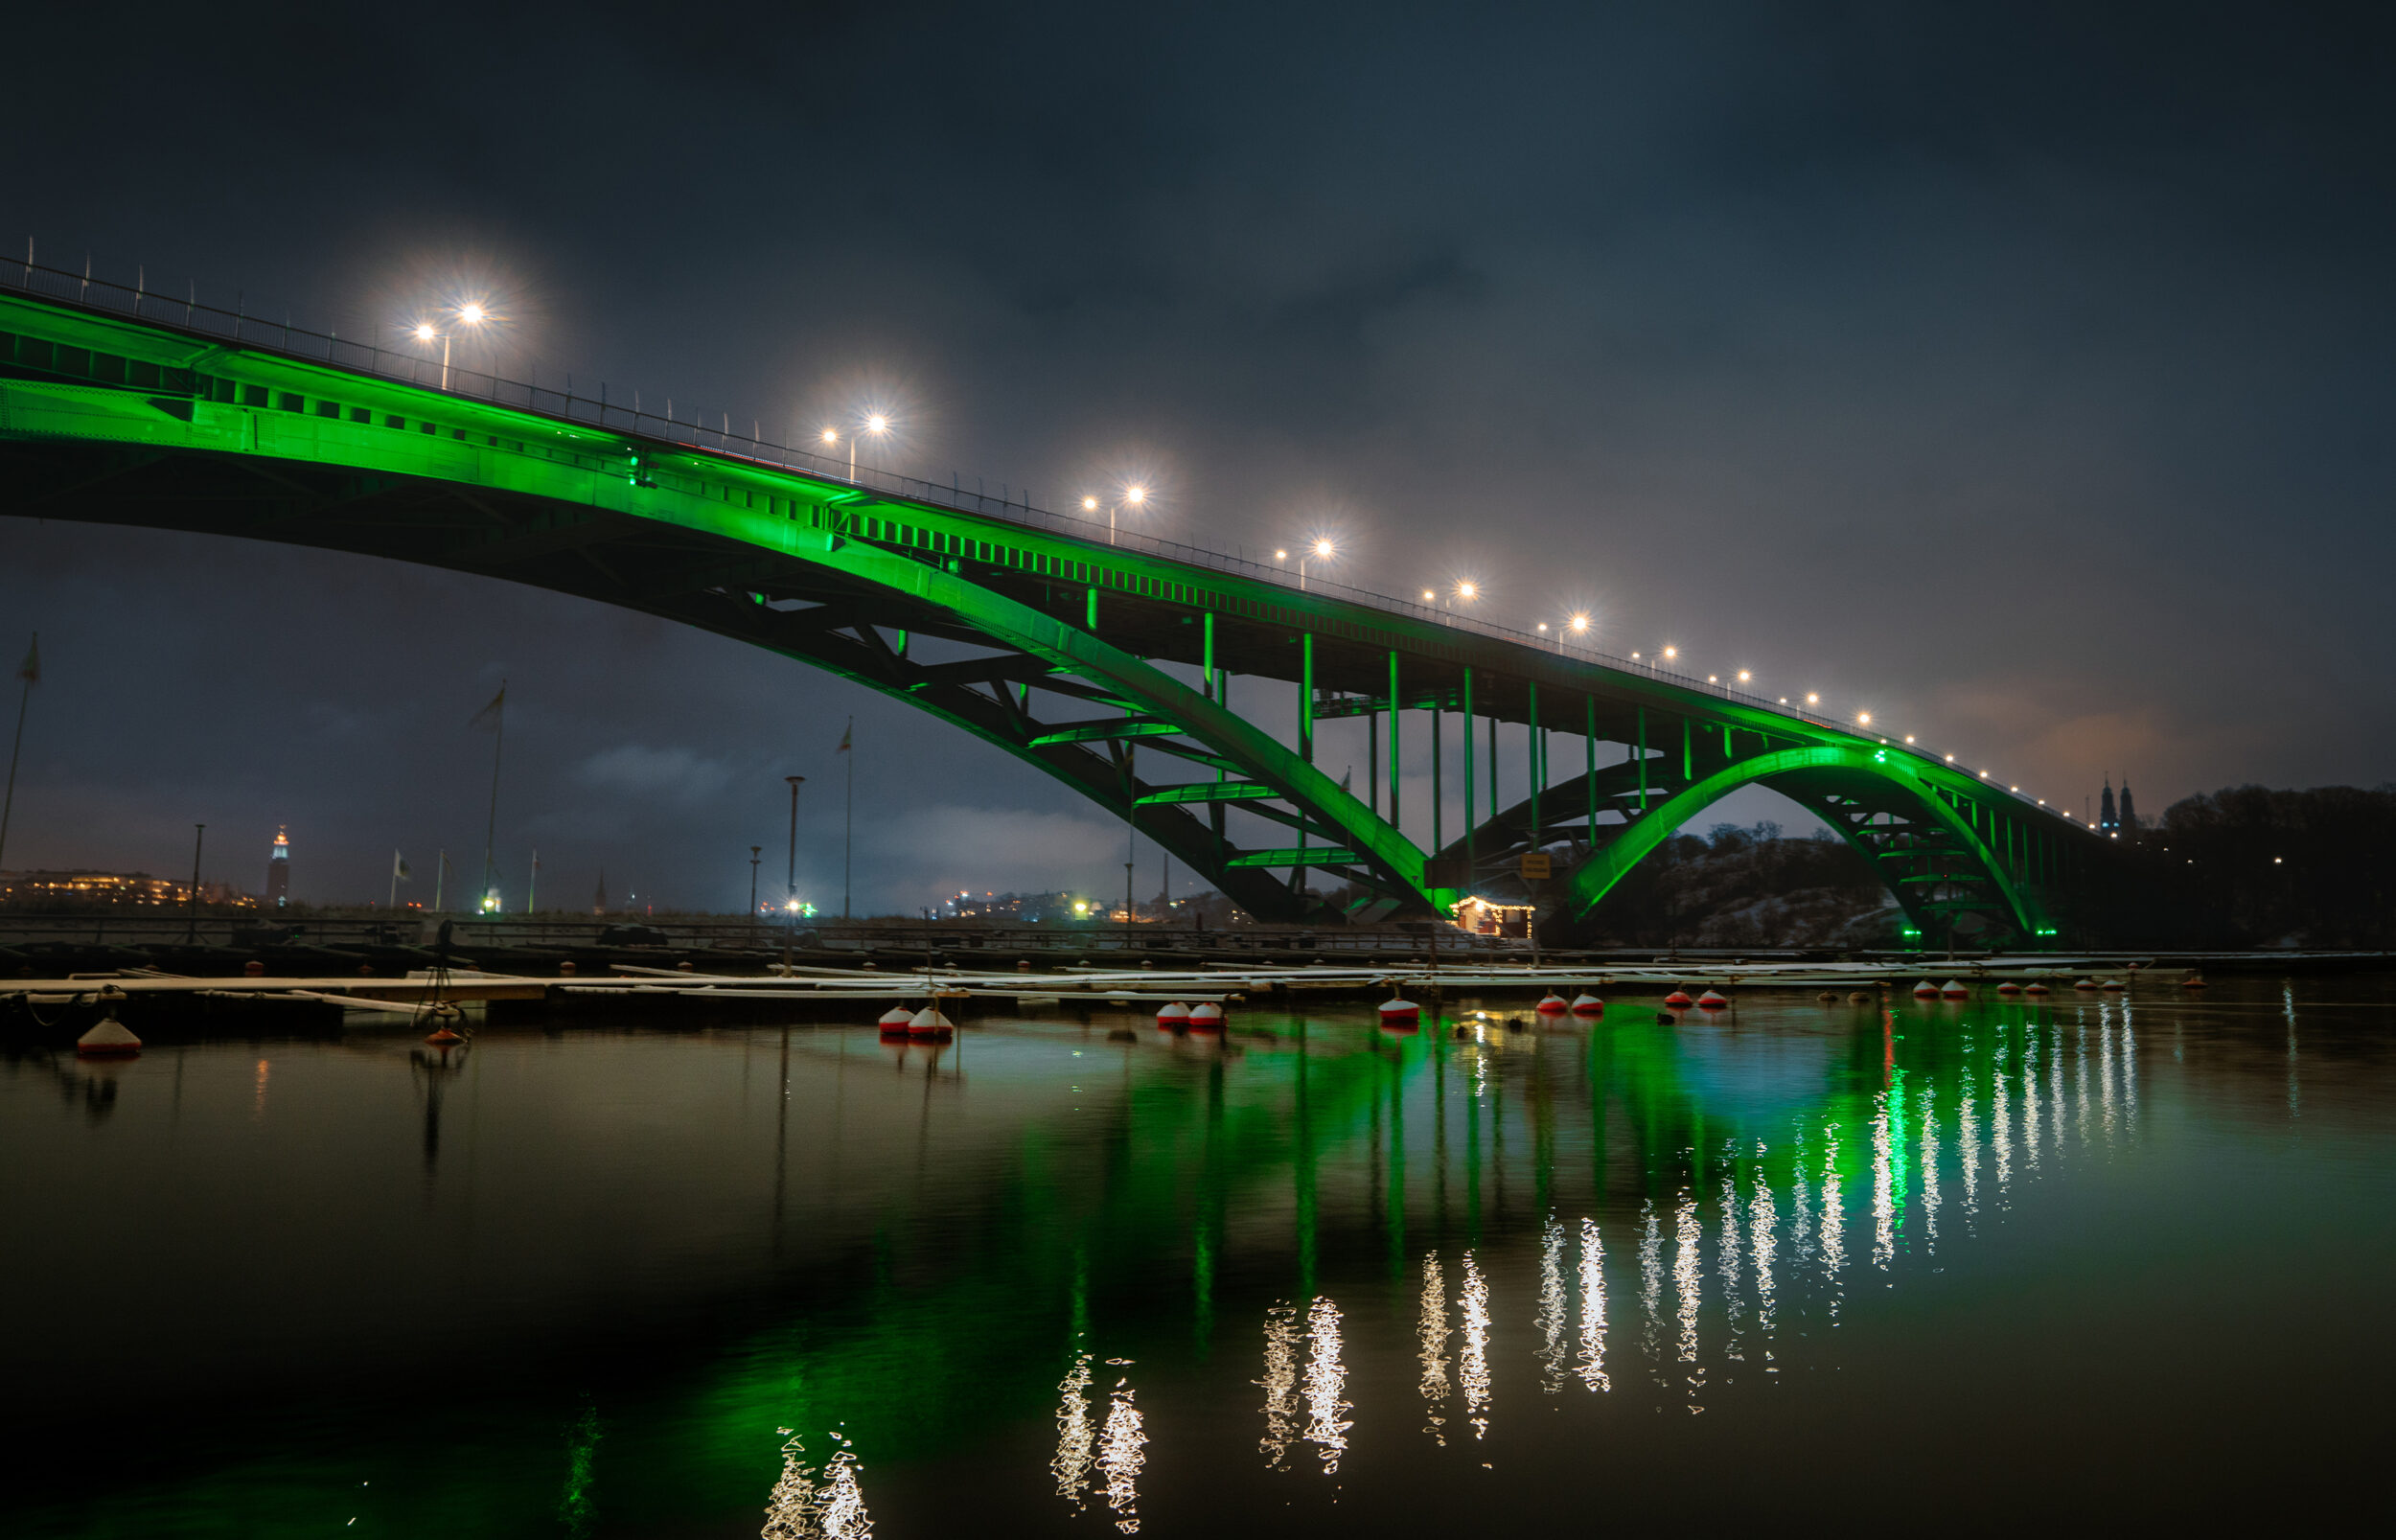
1833, 1237
1801, 1204
2055, 1083
1472, 1361
2295, 1084
1074, 1434
1326, 1378
1552, 1312
2105, 1068
1651, 1289
1688, 1283
1432, 1339
1593, 1308
2129, 1066
1761, 1224
1967, 1145
1280, 1385
815, 1506
1884, 1187
1726, 1262
1929, 1175
1123, 1450
2080, 1077
2026, 1074
2000, 1123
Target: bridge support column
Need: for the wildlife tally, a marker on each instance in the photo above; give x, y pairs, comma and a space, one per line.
1469, 820
1534, 760
1589, 740
1394, 773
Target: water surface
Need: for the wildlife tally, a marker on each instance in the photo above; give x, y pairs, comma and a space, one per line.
1968, 1265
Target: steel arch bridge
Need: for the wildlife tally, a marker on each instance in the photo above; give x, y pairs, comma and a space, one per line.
1116, 668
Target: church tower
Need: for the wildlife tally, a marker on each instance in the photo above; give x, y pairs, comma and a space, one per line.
2130, 816
2107, 822
279, 871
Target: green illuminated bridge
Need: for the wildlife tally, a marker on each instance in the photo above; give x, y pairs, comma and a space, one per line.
1117, 668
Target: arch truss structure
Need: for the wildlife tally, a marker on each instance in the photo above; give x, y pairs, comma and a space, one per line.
1184, 692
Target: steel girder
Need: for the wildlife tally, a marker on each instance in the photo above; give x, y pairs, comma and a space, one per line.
1077, 642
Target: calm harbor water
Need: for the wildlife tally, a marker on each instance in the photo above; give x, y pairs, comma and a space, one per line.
1973, 1265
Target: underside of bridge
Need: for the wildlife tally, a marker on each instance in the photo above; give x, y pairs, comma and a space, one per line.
1123, 671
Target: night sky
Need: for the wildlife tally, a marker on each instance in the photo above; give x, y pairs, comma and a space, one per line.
2020, 373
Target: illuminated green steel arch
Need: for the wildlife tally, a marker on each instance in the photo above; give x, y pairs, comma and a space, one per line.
1806, 769
153, 418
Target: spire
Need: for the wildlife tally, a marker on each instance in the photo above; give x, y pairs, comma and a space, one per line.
2107, 821
2130, 816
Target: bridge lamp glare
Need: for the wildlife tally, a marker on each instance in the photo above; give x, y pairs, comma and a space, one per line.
1280, 556
424, 332
1813, 699
1743, 676
471, 314
1090, 505
1950, 759
877, 423
1135, 495
1468, 591
1580, 622
1909, 738
1670, 653
831, 435
1863, 719
1711, 680
1428, 596
1543, 625
1322, 547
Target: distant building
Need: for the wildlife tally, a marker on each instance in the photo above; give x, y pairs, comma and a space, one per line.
279, 870
129, 890
2130, 816
2107, 821
599, 903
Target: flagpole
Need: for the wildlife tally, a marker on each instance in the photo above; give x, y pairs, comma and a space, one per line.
849, 821
394, 902
439, 869
29, 673
490, 830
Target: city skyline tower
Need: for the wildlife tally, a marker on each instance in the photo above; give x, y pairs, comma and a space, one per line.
279, 870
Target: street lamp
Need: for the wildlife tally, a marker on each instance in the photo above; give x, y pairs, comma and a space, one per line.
1322, 550
753, 851
469, 314
876, 423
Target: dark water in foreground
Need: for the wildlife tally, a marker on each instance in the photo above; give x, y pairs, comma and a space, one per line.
1976, 1266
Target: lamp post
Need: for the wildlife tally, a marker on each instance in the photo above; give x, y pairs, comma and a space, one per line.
1135, 495
753, 851
876, 423
191, 904
471, 315
790, 895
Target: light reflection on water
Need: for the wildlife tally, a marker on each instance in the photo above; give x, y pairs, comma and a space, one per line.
1254, 1185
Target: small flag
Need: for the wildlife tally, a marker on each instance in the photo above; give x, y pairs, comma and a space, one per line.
1346, 775
846, 734
29, 671
399, 866
489, 716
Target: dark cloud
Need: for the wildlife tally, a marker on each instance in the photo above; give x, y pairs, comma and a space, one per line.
2017, 371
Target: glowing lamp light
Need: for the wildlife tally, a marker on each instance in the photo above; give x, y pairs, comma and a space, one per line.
1813, 699
877, 423
1950, 759
1543, 625
1135, 495
831, 435
1467, 590
1322, 547
1909, 738
792, 906
1743, 676
1580, 622
1863, 719
471, 315
1428, 595
1670, 653
1709, 680
424, 332
1090, 505
1280, 556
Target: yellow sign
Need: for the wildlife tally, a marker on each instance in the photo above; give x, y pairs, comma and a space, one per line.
1536, 865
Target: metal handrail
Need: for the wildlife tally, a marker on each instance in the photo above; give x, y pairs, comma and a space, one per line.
297, 342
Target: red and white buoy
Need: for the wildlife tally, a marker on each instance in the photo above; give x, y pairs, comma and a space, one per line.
2035, 989
1712, 1001
2111, 984
895, 1020
1678, 999
1954, 989
1554, 1006
1588, 1004
2088, 984
2009, 987
2194, 980
1925, 990
1174, 1018
931, 1027
107, 1039
1399, 1012
1206, 1016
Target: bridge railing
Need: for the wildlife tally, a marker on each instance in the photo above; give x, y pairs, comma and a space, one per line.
421, 364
